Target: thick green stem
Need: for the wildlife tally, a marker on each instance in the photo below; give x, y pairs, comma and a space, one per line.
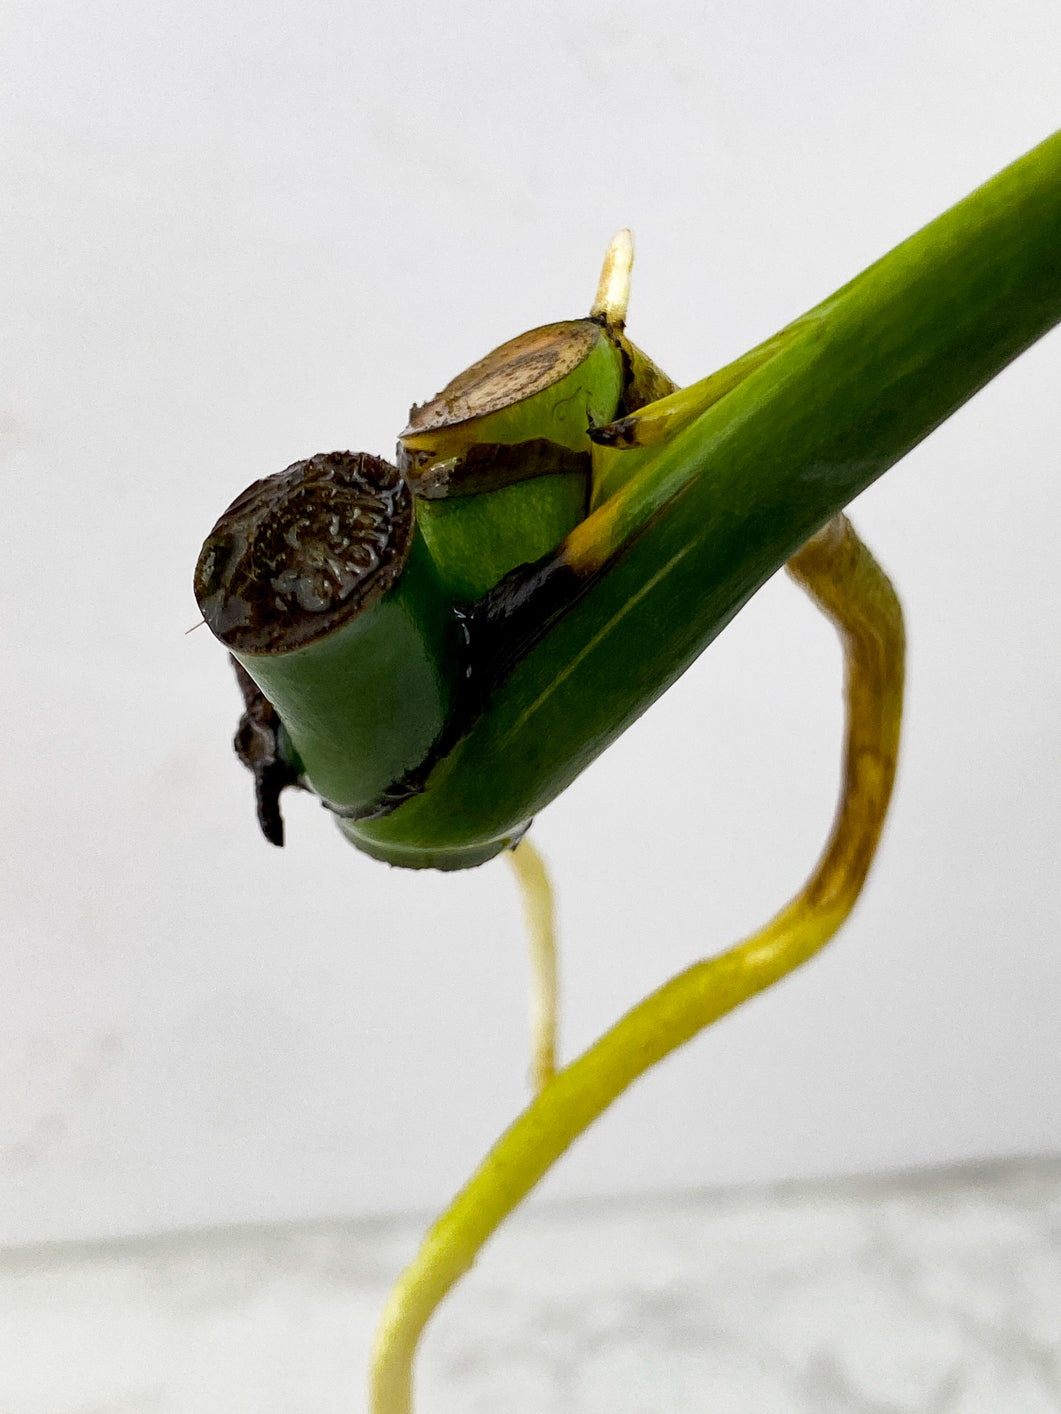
658, 570
316, 582
499, 461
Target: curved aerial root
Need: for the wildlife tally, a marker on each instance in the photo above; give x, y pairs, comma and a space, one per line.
843, 579
539, 913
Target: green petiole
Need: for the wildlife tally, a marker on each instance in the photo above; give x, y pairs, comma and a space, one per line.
577, 646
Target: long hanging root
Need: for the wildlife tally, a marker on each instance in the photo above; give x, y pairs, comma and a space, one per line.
538, 911
846, 583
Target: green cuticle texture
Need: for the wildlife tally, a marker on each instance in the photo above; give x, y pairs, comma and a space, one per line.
485, 673
665, 563
319, 585
482, 513
363, 706
477, 540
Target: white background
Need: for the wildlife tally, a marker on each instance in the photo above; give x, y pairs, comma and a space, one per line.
237, 235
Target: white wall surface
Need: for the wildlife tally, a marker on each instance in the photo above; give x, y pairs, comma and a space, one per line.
235, 235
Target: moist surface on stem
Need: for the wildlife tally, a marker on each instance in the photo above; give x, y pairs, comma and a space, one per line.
299, 553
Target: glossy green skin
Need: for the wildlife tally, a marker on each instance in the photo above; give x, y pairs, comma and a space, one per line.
365, 704
475, 540
861, 381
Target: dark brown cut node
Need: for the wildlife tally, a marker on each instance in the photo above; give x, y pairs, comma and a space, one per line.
620, 433
300, 553
509, 374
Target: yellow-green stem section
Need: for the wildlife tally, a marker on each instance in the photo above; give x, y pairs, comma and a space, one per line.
846, 583
537, 895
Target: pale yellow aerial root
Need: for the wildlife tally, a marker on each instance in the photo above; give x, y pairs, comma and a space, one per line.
846, 583
538, 911
613, 288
